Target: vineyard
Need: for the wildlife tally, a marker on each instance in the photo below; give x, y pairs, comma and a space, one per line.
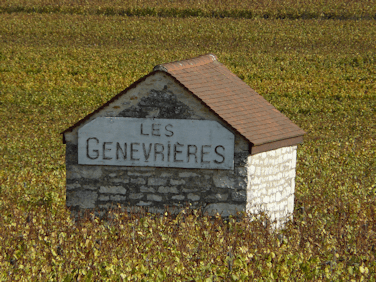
314, 61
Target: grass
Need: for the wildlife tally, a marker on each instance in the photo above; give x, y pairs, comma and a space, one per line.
56, 67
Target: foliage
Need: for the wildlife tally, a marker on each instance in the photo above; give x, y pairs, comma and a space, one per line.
57, 67
268, 9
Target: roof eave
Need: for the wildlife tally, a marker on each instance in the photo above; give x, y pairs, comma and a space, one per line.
256, 149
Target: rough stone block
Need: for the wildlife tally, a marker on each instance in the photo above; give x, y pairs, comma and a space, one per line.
167, 189
80, 171
278, 197
117, 198
241, 184
258, 171
218, 197
112, 190
177, 182
71, 153
103, 198
145, 174
185, 190
142, 203
242, 171
71, 173
90, 187
119, 180
293, 164
144, 168
106, 206
266, 199
115, 168
152, 197
290, 204
178, 197
239, 196
193, 197
188, 174
166, 174
157, 181
84, 199
223, 181
257, 201
147, 189
240, 158
271, 207
73, 186
136, 195
138, 181
224, 209
256, 180
156, 210
251, 170
280, 159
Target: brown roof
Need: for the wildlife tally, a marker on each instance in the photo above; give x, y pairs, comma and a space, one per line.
231, 99
234, 101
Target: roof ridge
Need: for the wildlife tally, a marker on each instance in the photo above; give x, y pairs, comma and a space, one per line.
188, 63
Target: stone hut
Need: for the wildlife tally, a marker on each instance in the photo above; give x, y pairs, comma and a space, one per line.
188, 132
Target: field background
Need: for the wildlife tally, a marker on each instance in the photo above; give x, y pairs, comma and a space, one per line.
315, 61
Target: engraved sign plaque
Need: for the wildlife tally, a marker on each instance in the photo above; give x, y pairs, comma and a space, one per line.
180, 143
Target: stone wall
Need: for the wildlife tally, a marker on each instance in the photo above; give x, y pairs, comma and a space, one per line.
271, 183
155, 188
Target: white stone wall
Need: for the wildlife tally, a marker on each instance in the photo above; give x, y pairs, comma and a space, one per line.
271, 183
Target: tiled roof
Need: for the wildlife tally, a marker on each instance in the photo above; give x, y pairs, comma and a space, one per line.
233, 100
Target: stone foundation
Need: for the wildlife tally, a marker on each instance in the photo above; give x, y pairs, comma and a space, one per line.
90, 187
266, 183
